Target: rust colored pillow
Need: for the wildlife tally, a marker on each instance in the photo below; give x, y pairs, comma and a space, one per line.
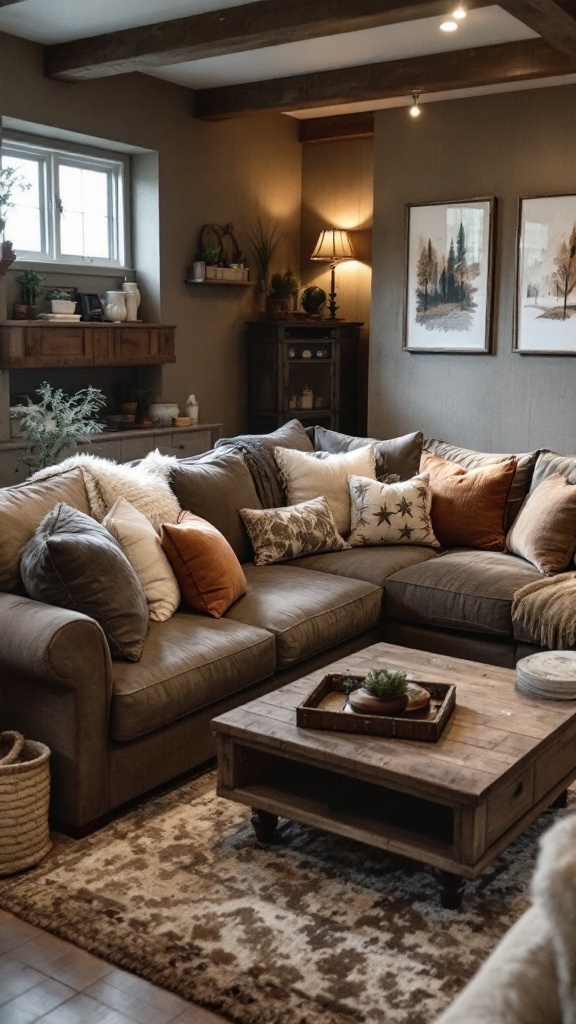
469, 505
209, 575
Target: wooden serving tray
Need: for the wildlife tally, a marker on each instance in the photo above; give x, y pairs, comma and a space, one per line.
324, 706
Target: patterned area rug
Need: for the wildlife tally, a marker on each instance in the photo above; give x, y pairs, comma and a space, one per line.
313, 930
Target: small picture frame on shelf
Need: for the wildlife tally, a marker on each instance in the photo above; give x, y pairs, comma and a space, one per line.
90, 306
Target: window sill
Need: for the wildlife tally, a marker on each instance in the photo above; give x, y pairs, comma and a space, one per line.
78, 269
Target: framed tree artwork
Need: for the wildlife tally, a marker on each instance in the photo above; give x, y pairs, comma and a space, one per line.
545, 310
449, 276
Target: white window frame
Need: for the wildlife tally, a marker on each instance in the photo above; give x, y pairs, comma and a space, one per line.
50, 156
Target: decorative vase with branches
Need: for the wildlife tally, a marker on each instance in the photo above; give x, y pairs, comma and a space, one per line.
265, 241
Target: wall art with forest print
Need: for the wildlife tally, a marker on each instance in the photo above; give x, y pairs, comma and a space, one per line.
449, 277
545, 320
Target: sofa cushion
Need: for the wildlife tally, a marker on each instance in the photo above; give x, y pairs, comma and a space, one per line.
308, 475
373, 564
209, 575
545, 531
22, 509
279, 534
397, 456
548, 463
216, 486
258, 451
187, 663
463, 589
73, 562
396, 513
141, 545
307, 611
469, 505
470, 459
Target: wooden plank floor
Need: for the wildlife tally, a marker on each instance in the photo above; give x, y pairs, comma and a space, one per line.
44, 979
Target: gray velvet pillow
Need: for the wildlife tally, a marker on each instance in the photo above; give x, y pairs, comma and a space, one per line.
216, 488
396, 457
74, 562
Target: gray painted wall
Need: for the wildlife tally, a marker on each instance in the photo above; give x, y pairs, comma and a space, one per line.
197, 173
505, 146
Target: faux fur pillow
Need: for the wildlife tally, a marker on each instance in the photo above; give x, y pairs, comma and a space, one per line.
146, 486
278, 534
391, 513
312, 474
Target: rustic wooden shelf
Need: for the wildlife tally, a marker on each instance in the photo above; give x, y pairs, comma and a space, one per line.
243, 284
46, 343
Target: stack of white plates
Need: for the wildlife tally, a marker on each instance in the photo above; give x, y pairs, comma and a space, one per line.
551, 674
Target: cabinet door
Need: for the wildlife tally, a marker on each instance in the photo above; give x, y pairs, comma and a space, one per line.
51, 346
184, 443
142, 345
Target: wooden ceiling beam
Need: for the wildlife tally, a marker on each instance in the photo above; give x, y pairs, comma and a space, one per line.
341, 127
554, 20
230, 30
461, 69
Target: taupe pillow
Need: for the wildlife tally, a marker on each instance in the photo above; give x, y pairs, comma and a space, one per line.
397, 456
470, 459
278, 534
73, 562
545, 531
216, 488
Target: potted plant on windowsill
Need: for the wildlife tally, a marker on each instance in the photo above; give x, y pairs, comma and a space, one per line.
10, 180
30, 288
61, 301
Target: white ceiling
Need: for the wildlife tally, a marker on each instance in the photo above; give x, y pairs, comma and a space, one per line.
57, 21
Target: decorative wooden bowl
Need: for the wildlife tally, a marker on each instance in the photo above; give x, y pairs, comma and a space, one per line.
366, 704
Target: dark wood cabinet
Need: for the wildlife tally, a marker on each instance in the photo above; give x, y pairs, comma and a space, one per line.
303, 369
37, 343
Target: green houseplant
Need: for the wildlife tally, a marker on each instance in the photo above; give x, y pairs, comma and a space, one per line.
58, 421
30, 287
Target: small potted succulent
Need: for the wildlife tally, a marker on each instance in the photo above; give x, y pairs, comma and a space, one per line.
60, 300
381, 692
282, 289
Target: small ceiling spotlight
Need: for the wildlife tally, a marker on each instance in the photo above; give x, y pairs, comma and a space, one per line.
449, 25
415, 110
459, 13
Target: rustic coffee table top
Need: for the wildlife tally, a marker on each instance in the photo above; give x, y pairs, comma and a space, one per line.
455, 804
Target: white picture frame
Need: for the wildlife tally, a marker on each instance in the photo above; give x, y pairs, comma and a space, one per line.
449, 276
545, 295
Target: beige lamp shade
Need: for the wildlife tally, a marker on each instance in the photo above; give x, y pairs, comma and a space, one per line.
333, 244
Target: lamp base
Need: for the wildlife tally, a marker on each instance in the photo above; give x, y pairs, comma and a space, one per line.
332, 307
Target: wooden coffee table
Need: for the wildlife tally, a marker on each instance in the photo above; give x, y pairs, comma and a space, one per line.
454, 804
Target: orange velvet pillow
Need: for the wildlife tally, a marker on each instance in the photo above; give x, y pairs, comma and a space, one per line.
209, 575
469, 505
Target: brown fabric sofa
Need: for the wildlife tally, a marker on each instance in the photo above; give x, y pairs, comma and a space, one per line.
117, 729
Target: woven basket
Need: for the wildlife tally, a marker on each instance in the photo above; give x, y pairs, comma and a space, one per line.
24, 797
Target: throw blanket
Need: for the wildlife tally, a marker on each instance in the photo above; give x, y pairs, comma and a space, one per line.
259, 457
547, 608
146, 486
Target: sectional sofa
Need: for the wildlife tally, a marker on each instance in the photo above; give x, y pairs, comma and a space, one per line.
117, 728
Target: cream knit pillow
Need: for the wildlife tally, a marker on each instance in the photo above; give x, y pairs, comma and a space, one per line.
308, 475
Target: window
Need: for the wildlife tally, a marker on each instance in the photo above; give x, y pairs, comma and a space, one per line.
74, 208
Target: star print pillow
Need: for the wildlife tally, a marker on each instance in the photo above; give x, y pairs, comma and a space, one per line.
391, 513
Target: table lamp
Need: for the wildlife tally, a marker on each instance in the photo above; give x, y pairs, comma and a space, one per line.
332, 246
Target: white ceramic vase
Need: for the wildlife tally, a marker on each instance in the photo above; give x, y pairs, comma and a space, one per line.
132, 297
115, 306
192, 408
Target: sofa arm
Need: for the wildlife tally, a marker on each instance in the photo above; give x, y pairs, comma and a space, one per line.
56, 687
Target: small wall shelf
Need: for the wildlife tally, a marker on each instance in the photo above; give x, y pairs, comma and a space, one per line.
243, 284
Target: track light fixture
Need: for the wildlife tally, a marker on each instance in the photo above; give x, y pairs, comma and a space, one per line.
415, 110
